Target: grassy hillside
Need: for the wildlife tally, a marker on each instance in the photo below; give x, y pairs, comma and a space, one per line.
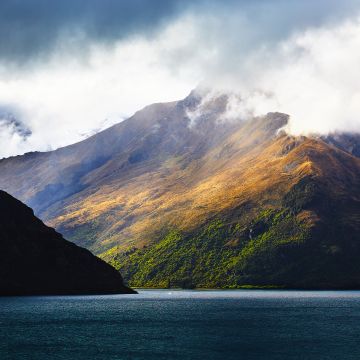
285, 247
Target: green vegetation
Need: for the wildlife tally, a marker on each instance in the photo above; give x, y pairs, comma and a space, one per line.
303, 243
218, 255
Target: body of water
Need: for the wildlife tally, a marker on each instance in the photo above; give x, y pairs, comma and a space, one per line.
163, 324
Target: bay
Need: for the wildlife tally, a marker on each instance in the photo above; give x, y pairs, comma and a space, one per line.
183, 324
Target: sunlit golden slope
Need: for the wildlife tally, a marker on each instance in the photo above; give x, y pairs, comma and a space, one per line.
163, 171
184, 193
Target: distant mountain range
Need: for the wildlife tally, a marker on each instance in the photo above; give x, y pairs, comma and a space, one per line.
10, 122
178, 195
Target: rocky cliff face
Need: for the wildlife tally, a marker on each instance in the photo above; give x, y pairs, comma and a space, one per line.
35, 259
181, 195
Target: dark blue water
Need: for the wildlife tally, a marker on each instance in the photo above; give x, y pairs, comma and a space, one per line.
183, 325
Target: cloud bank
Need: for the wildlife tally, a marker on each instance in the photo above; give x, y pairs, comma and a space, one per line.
31, 30
67, 100
312, 76
70, 68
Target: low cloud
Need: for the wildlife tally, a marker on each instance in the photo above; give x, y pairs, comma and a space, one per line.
312, 76
13, 132
67, 100
87, 69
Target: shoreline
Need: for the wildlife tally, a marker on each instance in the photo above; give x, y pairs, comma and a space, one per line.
246, 288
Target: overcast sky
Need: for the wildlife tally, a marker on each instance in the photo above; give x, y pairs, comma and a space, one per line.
69, 68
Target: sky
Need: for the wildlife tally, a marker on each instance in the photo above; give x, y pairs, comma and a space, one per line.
70, 68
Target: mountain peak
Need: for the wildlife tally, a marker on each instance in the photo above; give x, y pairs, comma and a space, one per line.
174, 173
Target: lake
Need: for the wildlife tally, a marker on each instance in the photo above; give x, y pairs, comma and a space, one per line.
170, 324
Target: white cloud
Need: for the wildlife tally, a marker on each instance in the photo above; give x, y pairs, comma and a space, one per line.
66, 98
313, 76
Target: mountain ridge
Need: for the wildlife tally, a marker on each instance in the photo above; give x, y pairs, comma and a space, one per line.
174, 169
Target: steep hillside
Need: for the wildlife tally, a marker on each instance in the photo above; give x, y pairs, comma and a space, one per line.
304, 236
34, 259
91, 190
183, 195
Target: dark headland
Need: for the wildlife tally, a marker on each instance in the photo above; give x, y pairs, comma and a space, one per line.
36, 260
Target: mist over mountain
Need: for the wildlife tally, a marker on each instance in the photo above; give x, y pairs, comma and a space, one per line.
183, 193
87, 62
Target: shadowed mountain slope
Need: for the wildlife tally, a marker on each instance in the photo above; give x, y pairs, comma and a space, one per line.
35, 259
182, 195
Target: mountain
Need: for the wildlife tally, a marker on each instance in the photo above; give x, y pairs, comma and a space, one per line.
35, 259
183, 194
11, 123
